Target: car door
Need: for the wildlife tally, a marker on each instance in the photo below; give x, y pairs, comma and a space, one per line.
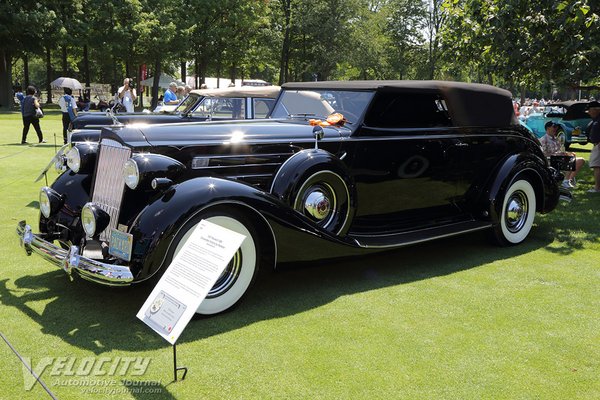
404, 165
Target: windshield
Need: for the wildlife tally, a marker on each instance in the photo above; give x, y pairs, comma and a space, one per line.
321, 103
187, 104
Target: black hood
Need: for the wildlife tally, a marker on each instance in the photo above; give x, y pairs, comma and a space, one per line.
190, 134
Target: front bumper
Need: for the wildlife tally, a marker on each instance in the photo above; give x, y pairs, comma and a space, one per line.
71, 260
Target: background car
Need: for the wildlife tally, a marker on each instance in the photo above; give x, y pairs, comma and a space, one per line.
571, 118
341, 169
246, 102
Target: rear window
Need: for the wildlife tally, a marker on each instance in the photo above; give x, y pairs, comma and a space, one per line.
408, 110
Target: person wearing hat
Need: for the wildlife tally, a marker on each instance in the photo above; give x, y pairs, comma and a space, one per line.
593, 131
553, 146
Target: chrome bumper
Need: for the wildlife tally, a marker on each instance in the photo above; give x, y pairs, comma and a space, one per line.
87, 268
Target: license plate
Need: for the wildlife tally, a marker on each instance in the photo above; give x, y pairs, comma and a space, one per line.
120, 244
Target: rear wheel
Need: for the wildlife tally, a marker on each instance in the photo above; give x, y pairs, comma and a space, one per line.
239, 274
517, 215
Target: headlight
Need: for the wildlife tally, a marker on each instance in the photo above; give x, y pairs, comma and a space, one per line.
88, 220
50, 201
94, 219
131, 174
74, 159
44, 204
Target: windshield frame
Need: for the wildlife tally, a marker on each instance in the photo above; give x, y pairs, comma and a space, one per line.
320, 103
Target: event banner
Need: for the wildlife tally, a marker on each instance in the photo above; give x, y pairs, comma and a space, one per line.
188, 279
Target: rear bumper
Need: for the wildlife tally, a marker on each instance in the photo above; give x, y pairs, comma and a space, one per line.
71, 260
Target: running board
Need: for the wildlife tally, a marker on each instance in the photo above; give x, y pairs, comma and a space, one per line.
423, 235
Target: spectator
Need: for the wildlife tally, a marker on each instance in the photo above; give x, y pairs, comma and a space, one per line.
30, 105
170, 96
593, 130
187, 90
180, 93
20, 96
552, 146
127, 95
68, 106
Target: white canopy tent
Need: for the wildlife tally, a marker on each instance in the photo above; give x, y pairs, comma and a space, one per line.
163, 82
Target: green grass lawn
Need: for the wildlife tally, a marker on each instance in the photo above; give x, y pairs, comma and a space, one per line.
451, 319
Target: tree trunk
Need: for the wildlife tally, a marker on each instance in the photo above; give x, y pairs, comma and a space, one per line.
65, 67
25, 71
183, 71
6, 94
86, 65
284, 62
48, 75
155, 84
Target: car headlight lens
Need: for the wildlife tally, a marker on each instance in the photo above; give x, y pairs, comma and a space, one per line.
131, 174
88, 220
45, 207
50, 201
94, 219
74, 159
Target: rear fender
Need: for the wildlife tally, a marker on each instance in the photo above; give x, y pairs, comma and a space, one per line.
515, 167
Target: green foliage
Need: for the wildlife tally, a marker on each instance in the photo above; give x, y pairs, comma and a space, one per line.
516, 44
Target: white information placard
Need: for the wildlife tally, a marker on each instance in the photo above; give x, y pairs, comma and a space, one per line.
188, 279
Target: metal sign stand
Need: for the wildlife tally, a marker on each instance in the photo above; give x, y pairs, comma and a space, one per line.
175, 367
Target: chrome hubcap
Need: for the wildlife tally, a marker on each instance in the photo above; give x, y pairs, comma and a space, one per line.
516, 211
317, 205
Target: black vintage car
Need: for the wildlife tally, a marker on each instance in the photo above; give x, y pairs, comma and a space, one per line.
246, 102
341, 168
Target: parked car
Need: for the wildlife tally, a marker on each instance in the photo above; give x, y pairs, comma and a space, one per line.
341, 169
200, 105
571, 117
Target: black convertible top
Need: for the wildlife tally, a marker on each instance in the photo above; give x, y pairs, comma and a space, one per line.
469, 104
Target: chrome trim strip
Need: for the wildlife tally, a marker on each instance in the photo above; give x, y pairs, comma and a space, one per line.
255, 155
248, 176
87, 268
238, 166
398, 245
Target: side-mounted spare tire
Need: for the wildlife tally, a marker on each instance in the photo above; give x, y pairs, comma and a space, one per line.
316, 184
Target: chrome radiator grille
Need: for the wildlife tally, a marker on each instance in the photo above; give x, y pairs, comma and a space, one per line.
109, 184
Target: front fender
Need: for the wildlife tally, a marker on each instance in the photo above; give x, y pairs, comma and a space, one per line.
157, 225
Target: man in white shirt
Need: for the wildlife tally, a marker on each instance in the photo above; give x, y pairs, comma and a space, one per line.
127, 95
68, 107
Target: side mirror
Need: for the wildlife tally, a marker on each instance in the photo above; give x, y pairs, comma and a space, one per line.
318, 134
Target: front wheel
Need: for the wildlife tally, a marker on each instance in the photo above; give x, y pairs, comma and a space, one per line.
517, 215
241, 271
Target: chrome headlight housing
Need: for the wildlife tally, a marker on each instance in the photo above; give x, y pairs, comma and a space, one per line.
82, 157
131, 173
74, 159
93, 219
142, 169
50, 201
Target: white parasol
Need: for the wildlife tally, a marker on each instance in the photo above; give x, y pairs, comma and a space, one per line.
64, 82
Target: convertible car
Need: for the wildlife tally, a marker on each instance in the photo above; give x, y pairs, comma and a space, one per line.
246, 102
340, 169
569, 115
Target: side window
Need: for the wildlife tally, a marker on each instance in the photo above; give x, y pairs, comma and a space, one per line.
408, 110
226, 108
262, 107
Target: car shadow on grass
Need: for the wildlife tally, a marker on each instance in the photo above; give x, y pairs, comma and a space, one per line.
103, 319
